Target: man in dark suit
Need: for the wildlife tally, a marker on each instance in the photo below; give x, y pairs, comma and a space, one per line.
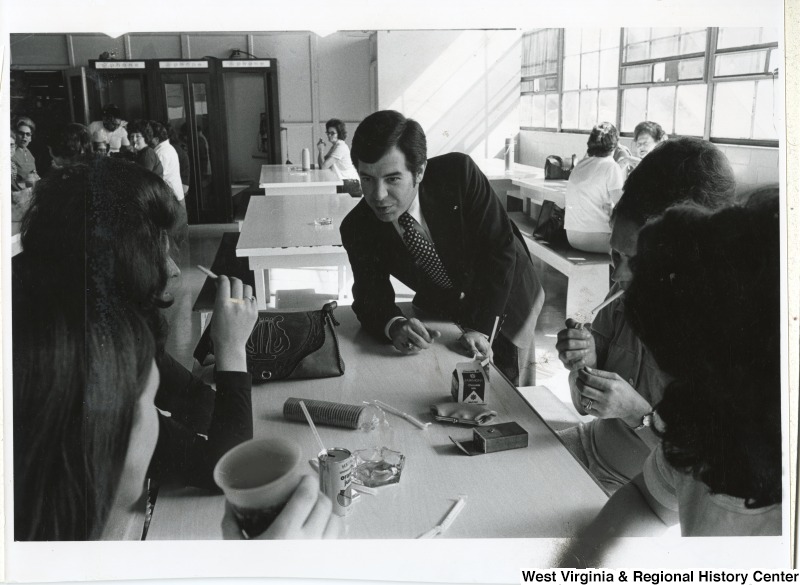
437, 226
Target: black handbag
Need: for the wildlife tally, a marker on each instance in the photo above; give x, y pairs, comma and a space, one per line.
554, 169
550, 224
288, 345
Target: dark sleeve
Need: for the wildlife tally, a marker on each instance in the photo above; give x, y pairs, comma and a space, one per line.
149, 160
187, 457
373, 293
186, 397
495, 254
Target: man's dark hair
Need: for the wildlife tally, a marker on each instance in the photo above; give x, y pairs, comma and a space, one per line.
111, 111
160, 131
678, 170
339, 126
602, 140
380, 131
654, 129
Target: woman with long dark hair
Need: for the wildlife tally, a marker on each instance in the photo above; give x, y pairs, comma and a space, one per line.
95, 244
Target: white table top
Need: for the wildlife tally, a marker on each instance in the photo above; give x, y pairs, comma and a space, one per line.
538, 491
495, 170
284, 224
543, 190
283, 177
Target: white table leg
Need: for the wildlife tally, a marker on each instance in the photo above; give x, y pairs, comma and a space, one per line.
262, 287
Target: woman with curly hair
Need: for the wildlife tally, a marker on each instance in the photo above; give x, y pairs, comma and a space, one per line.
715, 280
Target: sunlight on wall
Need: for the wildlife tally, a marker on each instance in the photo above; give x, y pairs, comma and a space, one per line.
462, 86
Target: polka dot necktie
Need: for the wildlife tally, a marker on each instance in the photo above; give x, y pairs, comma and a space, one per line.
423, 252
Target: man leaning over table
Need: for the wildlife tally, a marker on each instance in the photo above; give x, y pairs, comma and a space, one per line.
437, 226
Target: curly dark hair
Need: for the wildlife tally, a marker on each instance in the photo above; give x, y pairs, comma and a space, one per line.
380, 131
678, 170
70, 141
653, 129
339, 126
705, 299
603, 139
142, 127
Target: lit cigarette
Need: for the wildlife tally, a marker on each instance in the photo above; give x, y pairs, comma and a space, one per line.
207, 272
401, 414
602, 305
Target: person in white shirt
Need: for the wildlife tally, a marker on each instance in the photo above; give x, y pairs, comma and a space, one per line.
172, 176
594, 187
338, 157
112, 129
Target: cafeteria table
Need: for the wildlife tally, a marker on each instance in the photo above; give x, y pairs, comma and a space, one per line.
535, 189
536, 491
283, 231
290, 180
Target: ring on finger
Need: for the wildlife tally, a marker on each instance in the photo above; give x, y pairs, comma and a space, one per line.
588, 405
237, 301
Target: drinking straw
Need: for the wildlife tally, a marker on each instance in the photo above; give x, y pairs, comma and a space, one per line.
206, 271
313, 428
401, 414
448, 520
491, 338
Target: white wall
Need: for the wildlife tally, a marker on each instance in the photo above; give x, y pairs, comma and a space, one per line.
462, 86
752, 165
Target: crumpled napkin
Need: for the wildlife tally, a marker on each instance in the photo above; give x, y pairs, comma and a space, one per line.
463, 413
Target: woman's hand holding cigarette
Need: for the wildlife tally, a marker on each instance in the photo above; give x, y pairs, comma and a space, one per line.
476, 344
235, 314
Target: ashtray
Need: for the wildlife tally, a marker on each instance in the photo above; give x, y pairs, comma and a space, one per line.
378, 466
323, 221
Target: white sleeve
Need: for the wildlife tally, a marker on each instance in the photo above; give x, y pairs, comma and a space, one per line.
661, 479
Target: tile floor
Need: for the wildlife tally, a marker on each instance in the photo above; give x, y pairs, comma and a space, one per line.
310, 287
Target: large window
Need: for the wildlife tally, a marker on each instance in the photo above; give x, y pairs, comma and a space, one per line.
539, 102
717, 83
745, 67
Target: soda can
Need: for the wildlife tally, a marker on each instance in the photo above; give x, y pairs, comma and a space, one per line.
335, 477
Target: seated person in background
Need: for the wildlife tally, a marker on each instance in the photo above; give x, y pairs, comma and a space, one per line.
23, 160
594, 187
114, 127
69, 144
646, 136
437, 226
715, 278
612, 374
140, 133
11, 160
119, 246
100, 143
338, 157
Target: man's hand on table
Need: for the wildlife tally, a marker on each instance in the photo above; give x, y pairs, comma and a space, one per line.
411, 335
607, 395
575, 346
477, 344
307, 515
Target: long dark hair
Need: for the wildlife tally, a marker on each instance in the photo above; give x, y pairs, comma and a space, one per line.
705, 299
113, 214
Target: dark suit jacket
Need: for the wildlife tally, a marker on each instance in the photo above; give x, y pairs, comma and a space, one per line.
476, 242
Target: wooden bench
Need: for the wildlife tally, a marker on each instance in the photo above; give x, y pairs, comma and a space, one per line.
587, 273
225, 262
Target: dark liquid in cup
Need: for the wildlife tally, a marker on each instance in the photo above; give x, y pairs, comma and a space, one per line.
254, 522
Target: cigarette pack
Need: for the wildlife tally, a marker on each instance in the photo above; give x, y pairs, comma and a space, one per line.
492, 438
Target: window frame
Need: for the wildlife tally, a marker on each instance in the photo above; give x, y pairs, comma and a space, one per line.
709, 80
